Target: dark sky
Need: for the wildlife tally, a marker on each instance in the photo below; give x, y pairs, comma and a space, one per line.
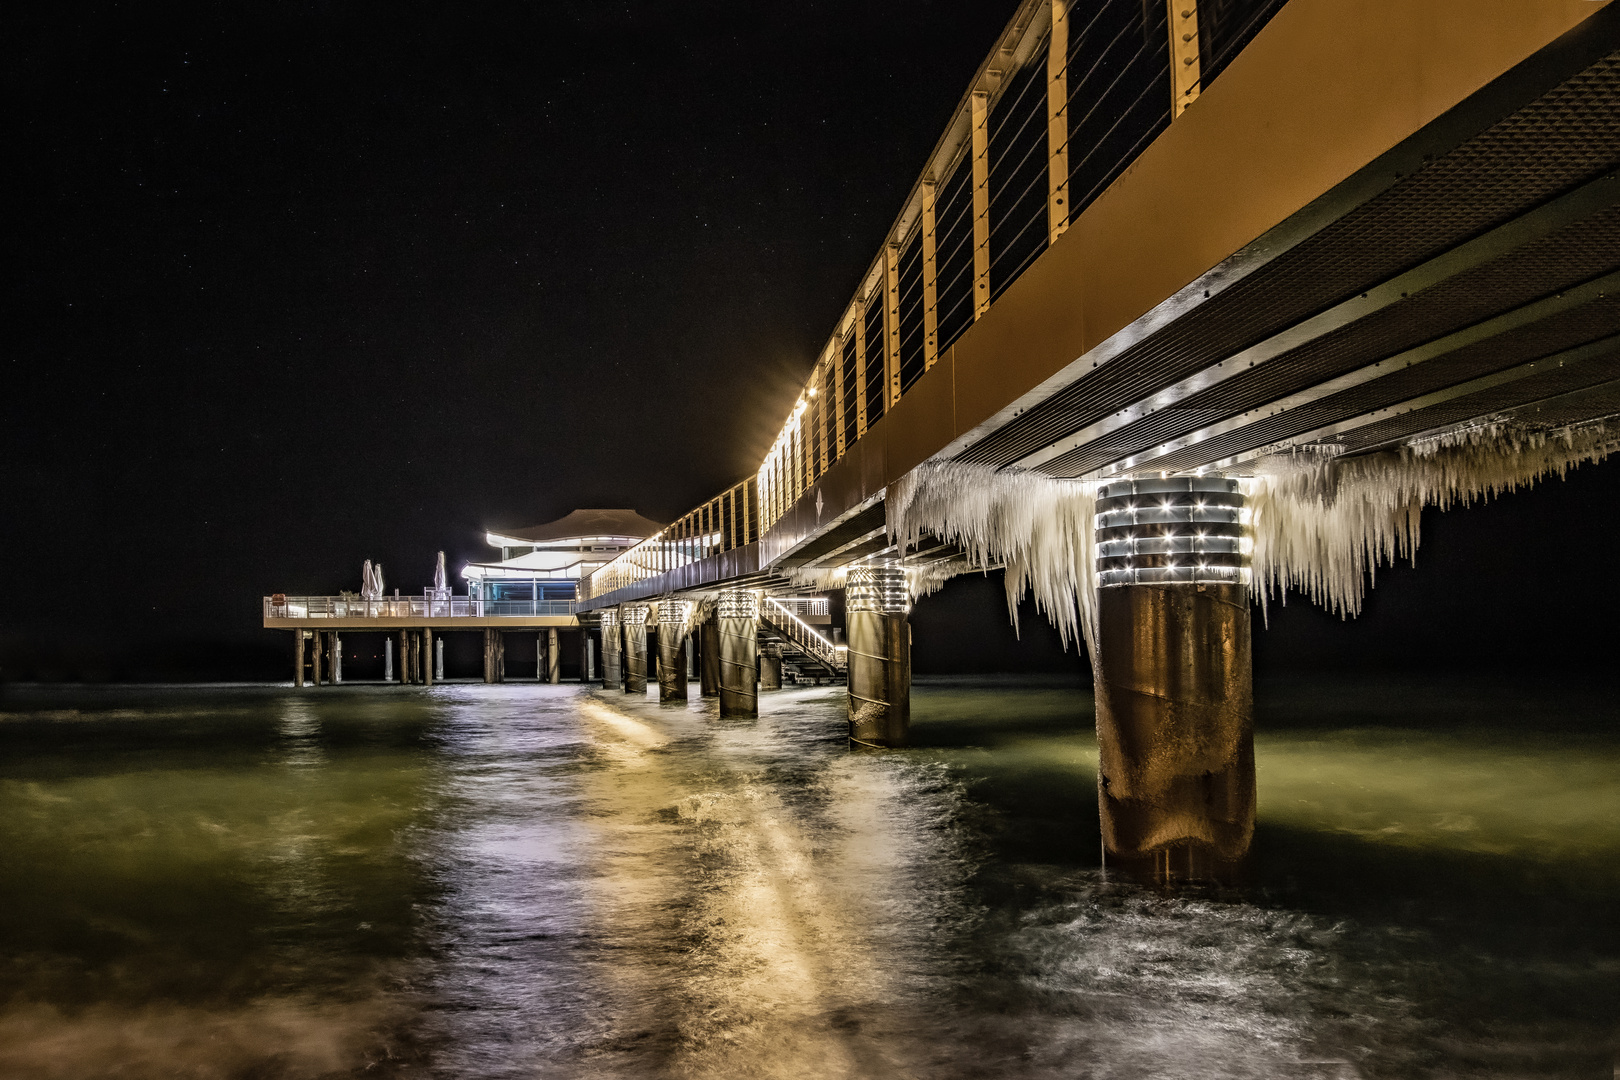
314, 283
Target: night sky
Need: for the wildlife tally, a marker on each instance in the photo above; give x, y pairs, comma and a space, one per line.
314, 283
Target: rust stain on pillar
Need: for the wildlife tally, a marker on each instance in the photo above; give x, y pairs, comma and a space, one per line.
1175, 720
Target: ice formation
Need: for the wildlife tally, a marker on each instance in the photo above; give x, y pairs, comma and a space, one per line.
1323, 524
695, 613
1039, 528
1320, 524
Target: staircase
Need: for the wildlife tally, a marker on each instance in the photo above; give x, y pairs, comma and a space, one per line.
803, 647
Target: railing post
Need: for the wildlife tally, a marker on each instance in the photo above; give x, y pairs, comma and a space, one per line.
981, 202
1057, 121
891, 324
859, 330
840, 399
1185, 77
930, 278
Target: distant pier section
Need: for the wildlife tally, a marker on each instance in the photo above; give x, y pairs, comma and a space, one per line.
413, 613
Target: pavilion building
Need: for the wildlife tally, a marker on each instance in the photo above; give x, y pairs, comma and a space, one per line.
547, 562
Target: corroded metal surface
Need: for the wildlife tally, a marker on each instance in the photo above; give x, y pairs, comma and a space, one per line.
1175, 721
879, 677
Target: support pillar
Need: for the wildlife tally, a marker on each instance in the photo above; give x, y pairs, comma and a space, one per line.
427, 657
709, 658
438, 659
672, 616
876, 604
500, 655
388, 659
489, 655
587, 661
298, 658
1173, 667
612, 654
635, 647
553, 657
770, 667
404, 656
315, 659
737, 626
337, 657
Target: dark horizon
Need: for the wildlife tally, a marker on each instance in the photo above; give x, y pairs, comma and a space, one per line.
304, 290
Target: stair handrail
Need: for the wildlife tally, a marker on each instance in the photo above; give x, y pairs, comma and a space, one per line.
805, 637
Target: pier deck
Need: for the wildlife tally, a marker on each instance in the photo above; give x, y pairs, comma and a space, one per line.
414, 613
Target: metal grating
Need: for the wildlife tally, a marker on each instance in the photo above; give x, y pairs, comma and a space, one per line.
1576, 254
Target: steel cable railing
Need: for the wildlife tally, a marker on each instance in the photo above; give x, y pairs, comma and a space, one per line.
1116, 97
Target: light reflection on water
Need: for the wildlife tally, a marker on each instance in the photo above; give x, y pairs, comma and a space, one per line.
518, 880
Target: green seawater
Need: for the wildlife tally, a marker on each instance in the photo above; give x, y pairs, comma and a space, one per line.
524, 880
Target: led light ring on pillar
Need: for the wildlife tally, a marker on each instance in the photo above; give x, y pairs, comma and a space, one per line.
875, 606
635, 648
1173, 530
1174, 693
672, 620
737, 613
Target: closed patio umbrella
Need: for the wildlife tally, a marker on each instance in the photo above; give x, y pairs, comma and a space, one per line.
438, 574
368, 586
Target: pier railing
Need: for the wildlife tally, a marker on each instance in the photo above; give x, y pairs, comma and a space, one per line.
425, 606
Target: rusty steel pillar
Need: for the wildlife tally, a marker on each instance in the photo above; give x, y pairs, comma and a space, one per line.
876, 603
770, 667
612, 651
709, 658
1175, 699
737, 622
634, 617
553, 657
672, 616
298, 658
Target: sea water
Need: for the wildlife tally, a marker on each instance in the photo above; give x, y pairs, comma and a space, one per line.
527, 880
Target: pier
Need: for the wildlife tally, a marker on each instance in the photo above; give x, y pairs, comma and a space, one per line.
1176, 317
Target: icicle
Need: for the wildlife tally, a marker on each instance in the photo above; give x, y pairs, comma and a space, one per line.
696, 611
1323, 525
1320, 523
1039, 528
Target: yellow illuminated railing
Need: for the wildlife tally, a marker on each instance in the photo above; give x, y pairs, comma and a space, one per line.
1068, 98
729, 520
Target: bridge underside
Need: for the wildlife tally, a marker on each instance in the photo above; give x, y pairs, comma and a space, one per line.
1464, 276
1481, 285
